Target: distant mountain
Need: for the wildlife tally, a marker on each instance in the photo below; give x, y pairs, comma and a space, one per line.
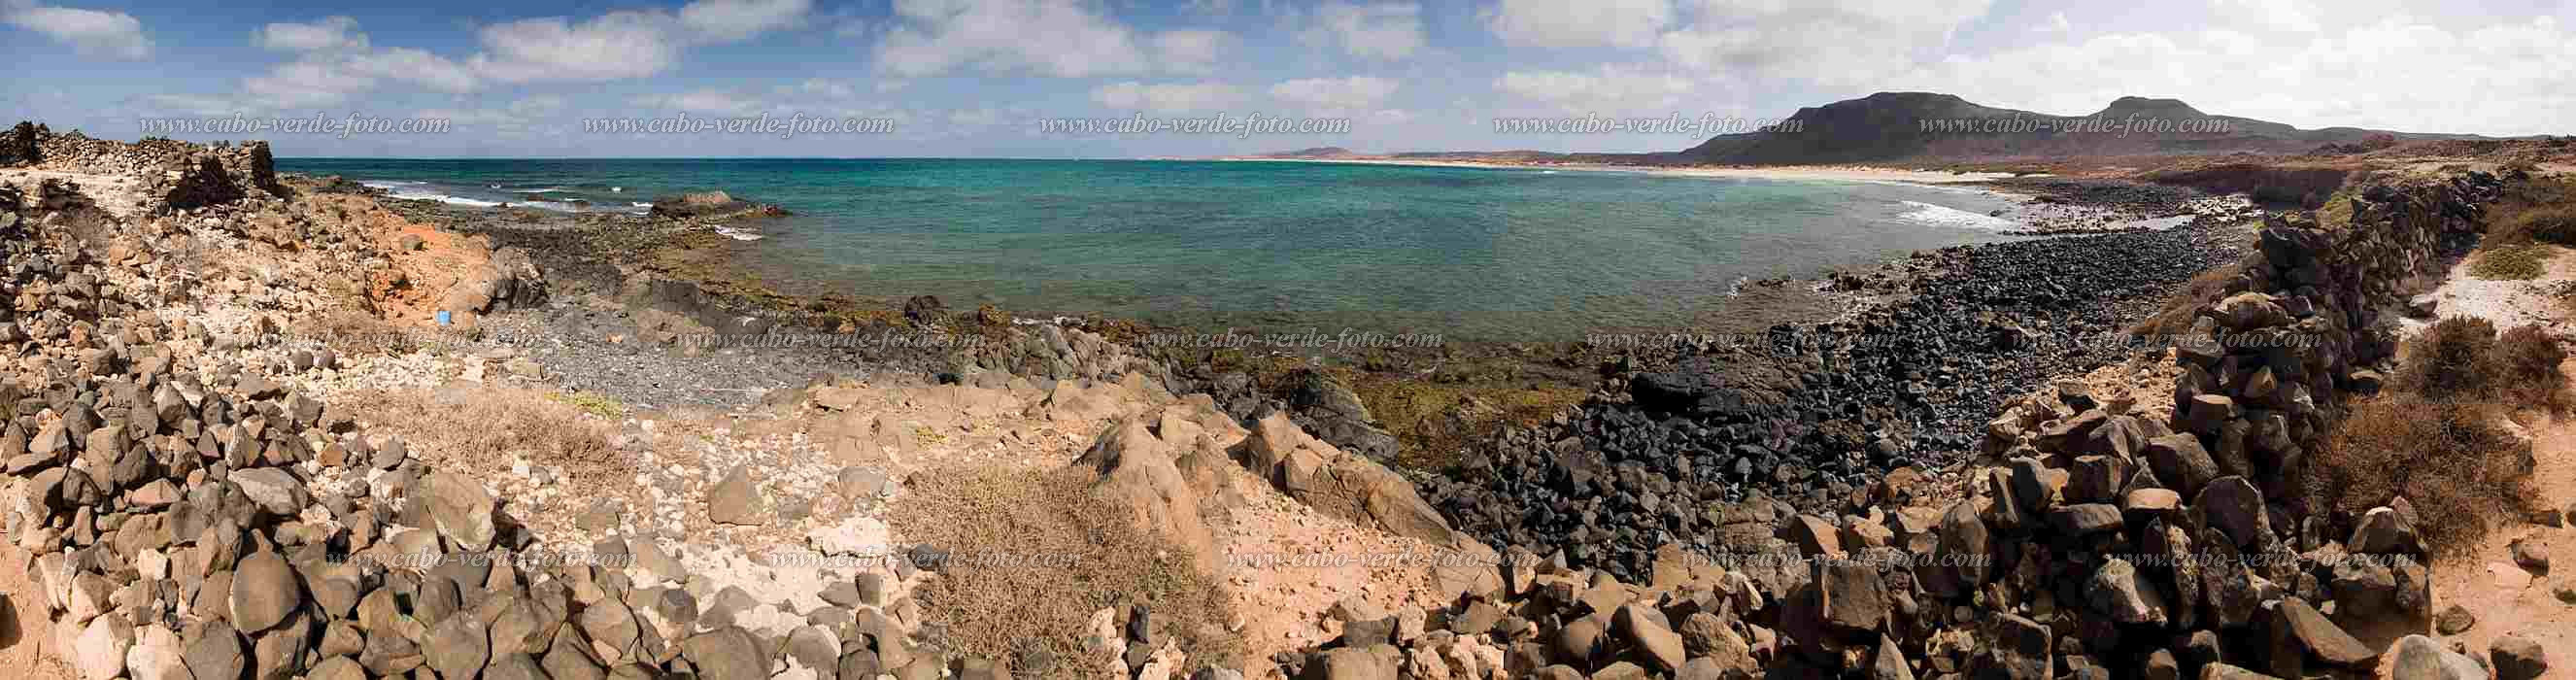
1316, 152
1892, 126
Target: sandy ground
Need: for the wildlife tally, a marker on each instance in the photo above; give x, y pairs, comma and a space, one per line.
2506, 599
23, 643
2508, 303
116, 194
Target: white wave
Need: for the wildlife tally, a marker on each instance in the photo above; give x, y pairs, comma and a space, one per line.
405, 190
738, 235
547, 190
1926, 213
615, 190
642, 204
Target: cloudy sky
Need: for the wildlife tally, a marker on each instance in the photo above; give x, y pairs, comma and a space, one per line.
976, 77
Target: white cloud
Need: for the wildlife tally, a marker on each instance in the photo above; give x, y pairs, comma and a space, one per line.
328, 78
1190, 51
1167, 97
623, 44
1610, 90
2057, 23
1382, 30
1335, 94
828, 89
2398, 73
2296, 16
1055, 38
416, 66
90, 32
1833, 42
730, 20
611, 46
1598, 23
332, 33
708, 102
1047, 37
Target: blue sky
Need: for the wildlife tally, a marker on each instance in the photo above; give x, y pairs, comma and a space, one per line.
974, 77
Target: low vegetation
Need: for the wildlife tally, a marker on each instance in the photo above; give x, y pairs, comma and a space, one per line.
2185, 304
2517, 262
1033, 554
2441, 436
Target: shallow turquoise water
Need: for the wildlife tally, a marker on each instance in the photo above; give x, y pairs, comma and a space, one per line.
1470, 253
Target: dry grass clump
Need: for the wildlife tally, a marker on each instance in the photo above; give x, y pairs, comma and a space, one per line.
2453, 460
2440, 437
2516, 262
1033, 554
2462, 358
2535, 210
2527, 360
2180, 309
480, 427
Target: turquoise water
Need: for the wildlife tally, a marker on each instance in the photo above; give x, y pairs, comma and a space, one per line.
1466, 252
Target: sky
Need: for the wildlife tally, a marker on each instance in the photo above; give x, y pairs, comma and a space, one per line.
1001, 78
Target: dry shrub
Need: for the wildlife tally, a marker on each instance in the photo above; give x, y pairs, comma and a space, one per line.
1033, 554
2462, 358
2205, 289
2449, 360
479, 427
2512, 262
2535, 210
2528, 359
2453, 460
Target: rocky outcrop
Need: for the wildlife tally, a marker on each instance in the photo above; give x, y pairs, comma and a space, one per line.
1819, 416
18, 146
1338, 483
191, 510
2112, 543
712, 206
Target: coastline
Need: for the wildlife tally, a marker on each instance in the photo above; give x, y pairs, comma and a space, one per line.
1821, 173
1837, 444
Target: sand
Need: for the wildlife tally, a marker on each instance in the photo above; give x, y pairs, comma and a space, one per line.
2508, 303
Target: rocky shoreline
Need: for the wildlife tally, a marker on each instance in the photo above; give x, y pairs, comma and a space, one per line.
209, 491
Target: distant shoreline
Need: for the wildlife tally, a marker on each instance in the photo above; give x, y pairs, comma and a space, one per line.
1828, 173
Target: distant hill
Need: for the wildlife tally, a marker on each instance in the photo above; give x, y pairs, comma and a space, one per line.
1892, 126
1316, 152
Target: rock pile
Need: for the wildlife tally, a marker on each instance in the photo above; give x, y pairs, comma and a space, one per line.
18, 146
1815, 415
192, 513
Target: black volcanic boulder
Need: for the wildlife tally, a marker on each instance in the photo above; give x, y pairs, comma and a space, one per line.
1333, 412
18, 146
1746, 391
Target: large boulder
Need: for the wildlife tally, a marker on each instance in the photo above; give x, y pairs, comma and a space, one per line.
1728, 391
1134, 469
461, 510
1338, 483
265, 591
2421, 658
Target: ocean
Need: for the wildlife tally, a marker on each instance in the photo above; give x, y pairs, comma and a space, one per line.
1465, 253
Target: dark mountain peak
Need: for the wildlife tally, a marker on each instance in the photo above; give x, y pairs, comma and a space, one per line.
2151, 105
